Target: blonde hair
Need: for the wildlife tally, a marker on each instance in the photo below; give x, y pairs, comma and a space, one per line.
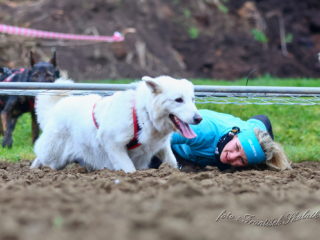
275, 155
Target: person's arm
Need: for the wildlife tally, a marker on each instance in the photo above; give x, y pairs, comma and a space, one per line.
179, 139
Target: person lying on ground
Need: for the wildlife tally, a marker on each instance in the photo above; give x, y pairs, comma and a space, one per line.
227, 141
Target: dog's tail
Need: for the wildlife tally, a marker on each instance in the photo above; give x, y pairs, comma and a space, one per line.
46, 101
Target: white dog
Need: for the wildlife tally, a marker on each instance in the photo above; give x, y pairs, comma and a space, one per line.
118, 132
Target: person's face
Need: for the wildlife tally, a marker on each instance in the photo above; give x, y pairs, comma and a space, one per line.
233, 154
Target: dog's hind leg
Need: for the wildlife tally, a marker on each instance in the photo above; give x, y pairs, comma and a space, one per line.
49, 149
36, 163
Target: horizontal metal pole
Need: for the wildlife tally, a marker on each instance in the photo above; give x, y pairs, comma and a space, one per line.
257, 89
64, 86
205, 89
35, 92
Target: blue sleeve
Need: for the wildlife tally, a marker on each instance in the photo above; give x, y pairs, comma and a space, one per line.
177, 138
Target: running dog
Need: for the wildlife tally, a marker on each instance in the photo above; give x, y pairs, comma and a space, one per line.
12, 107
118, 132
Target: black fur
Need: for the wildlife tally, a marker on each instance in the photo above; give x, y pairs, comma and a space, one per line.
12, 107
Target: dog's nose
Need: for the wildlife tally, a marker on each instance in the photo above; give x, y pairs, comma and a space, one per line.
197, 118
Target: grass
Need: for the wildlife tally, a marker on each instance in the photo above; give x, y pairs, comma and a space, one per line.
297, 128
263, 81
22, 143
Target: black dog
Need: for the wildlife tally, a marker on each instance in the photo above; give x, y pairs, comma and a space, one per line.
12, 107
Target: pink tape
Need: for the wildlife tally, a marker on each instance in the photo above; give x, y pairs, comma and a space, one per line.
28, 32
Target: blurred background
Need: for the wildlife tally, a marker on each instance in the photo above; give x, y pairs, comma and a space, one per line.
220, 39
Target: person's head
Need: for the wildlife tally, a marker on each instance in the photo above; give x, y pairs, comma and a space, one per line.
233, 153
254, 147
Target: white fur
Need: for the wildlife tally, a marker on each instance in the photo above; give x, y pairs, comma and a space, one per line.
45, 101
69, 133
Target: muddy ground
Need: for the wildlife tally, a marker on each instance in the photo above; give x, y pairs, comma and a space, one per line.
158, 204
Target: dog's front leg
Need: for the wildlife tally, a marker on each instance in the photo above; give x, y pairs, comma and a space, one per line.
119, 158
166, 155
8, 122
5, 126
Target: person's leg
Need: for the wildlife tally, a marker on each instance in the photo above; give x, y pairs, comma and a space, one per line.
266, 122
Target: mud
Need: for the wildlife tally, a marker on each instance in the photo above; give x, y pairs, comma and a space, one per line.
158, 204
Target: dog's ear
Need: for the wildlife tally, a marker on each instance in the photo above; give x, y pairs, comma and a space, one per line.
53, 60
155, 87
32, 61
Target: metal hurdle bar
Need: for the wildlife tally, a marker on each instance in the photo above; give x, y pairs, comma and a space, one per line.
203, 92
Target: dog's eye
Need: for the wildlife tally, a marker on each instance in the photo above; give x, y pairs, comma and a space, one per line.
179, 100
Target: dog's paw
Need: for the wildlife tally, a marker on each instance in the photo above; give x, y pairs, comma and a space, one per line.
129, 169
35, 164
7, 143
173, 164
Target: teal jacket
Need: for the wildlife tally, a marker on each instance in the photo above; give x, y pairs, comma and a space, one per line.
201, 149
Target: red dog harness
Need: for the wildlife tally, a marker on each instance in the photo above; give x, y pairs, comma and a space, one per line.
134, 143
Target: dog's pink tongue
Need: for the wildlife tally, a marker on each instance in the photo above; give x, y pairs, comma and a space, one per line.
186, 131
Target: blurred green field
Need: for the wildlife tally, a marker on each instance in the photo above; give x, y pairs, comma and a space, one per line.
297, 128
262, 81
